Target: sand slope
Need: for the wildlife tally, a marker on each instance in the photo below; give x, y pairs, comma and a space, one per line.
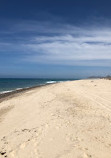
64, 120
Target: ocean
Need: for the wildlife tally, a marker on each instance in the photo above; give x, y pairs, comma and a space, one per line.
9, 84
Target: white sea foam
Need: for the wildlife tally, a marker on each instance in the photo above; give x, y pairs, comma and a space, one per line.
18, 88
51, 81
10, 91
5, 92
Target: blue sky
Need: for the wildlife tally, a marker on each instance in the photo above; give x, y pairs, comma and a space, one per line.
61, 38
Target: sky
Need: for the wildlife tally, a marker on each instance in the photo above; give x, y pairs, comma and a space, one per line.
55, 38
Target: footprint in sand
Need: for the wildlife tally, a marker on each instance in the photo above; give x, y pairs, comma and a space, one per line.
23, 145
87, 156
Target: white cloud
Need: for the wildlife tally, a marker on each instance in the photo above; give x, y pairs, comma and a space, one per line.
68, 48
60, 43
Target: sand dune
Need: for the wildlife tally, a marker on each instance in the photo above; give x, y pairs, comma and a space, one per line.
64, 120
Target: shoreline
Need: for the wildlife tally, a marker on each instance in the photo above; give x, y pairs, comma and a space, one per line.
14, 93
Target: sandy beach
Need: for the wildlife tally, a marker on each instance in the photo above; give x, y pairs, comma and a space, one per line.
65, 120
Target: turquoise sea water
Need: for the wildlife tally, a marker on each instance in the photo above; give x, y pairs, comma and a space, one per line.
8, 84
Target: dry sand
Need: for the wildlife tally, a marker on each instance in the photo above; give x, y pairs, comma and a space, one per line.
63, 120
